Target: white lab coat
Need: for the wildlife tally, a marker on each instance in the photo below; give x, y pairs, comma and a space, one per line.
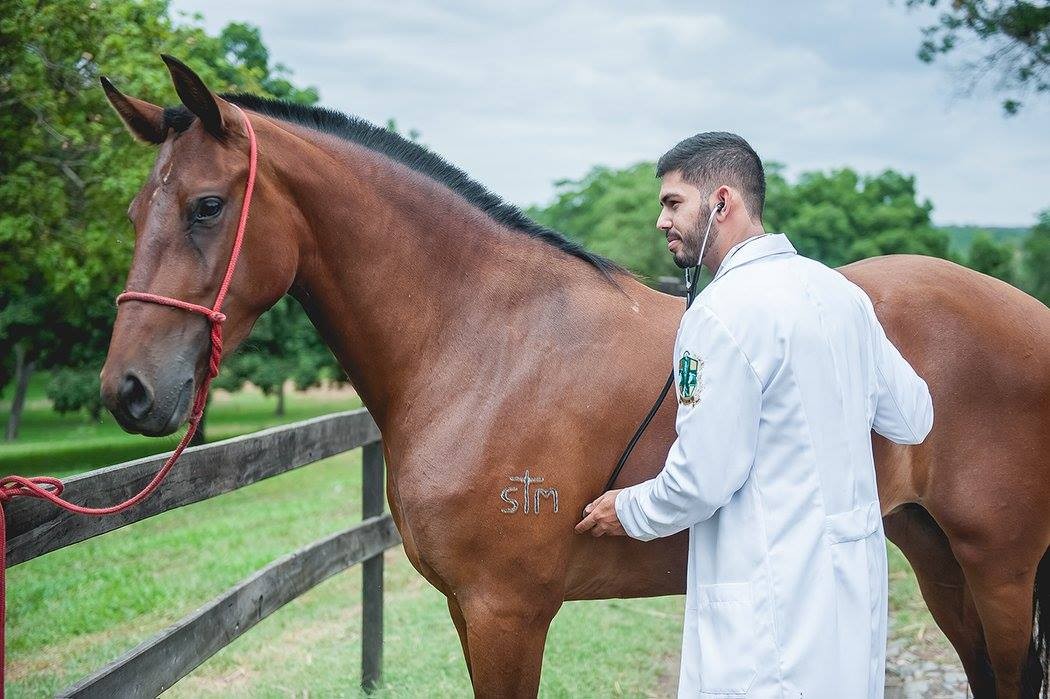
773, 474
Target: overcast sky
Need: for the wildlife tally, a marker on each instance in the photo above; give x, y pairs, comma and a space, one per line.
520, 95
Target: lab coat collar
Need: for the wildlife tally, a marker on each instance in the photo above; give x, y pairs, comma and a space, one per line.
754, 249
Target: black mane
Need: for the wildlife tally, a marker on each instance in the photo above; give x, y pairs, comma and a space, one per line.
412, 155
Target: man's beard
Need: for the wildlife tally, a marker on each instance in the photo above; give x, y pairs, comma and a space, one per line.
688, 254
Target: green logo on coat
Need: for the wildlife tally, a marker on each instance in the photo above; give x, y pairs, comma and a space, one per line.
688, 378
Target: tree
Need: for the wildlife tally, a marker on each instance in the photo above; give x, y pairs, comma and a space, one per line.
1037, 259
68, 168
992, 258
243, 50
69, 392
283, 345
613, 212
836, 217
840, 216
1014, 35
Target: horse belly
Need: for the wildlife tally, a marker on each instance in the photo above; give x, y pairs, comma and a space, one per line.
621, 567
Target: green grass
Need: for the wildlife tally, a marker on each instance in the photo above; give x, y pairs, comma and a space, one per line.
909, 617
60, 445
75, 609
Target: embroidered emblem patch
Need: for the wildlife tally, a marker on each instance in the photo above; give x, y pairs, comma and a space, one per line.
689, 378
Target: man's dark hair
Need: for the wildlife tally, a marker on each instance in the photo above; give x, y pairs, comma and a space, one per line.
713, 158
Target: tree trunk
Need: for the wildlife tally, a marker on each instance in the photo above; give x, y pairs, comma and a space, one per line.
23, 370
280, 400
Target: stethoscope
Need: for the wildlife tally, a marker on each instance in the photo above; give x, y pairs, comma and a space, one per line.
690, 294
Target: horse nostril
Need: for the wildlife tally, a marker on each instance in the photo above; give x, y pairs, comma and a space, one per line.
136, 398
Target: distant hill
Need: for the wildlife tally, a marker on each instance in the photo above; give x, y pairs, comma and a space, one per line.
962, 236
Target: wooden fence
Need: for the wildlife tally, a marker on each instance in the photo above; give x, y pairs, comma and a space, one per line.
670, 285
35, 528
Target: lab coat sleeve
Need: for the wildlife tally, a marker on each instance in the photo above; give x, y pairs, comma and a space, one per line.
717, 437
904, 407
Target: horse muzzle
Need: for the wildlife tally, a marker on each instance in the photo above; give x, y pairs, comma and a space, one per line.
154, 408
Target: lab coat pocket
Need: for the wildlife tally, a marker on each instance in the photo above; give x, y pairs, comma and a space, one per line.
726, 626
855, 558
853, 525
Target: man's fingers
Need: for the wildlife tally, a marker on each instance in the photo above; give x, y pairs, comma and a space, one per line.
594, 525
589, 520
597, 512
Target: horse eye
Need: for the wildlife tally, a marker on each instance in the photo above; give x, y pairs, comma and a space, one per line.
207, 208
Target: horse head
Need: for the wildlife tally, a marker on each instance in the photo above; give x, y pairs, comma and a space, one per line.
186, 217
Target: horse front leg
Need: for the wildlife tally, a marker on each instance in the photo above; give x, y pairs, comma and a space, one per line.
506, 631
461, 627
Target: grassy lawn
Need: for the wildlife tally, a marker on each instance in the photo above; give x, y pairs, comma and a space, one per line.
73, 610
60, 445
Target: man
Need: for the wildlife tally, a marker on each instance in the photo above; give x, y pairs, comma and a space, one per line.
782, 371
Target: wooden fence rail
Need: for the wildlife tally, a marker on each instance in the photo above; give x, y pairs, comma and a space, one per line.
35, 528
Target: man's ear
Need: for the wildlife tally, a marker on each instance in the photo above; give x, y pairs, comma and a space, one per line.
727, 197
145, 121
196, 96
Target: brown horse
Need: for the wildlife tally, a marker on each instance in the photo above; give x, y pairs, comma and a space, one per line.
493, 353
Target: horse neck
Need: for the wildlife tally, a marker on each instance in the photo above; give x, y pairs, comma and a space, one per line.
411, 286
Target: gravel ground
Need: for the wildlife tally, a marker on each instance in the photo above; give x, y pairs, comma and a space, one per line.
923, 669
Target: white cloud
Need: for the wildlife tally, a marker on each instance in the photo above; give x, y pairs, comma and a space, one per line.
522, 95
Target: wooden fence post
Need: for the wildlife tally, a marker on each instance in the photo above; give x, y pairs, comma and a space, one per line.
372, 504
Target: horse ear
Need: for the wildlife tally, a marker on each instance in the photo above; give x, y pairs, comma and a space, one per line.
145, 121
196, 96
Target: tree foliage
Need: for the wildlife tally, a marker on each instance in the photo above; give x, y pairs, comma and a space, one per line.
841, 216
1014, 37
71, 390
1037, 259
283, 345
68, 168
993, 258
613, 212
837, 216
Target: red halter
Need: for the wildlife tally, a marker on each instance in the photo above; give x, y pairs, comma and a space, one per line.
48, 488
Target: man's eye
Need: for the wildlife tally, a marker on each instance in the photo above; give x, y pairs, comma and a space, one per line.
207, 208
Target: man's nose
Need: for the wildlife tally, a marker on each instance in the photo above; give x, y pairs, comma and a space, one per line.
664, 223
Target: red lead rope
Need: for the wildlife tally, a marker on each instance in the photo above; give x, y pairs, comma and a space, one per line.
48, 488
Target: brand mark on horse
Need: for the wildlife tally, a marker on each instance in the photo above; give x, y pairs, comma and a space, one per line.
508, 496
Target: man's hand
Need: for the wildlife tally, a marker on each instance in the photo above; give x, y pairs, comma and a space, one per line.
601, 517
